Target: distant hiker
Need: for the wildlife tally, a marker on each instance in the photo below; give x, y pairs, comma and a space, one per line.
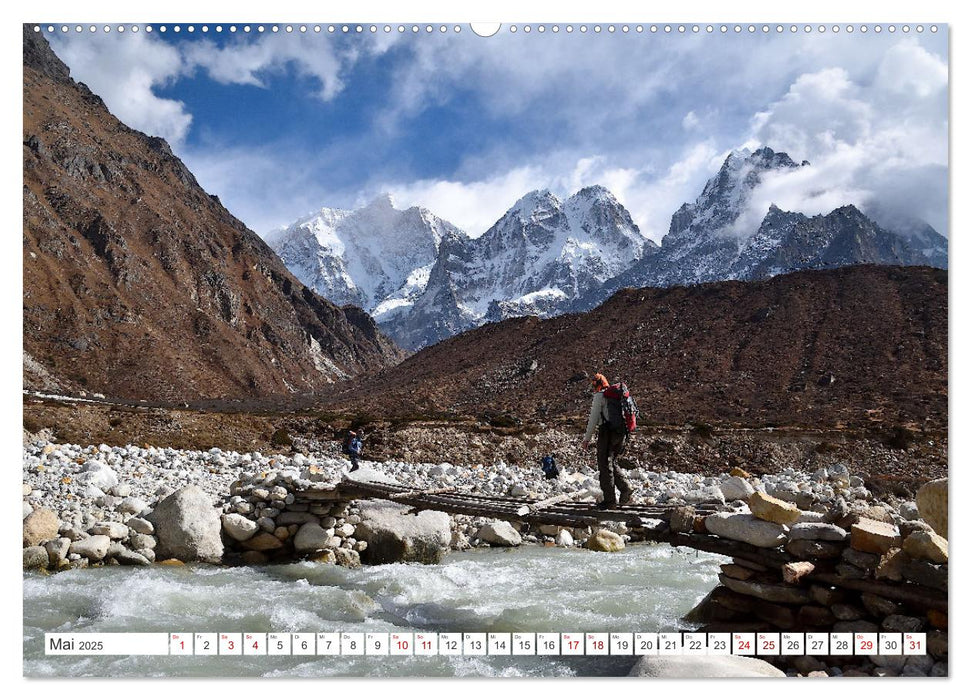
353, 445
548, 465
609, 412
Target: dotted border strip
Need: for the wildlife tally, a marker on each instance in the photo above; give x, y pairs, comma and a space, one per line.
512, 28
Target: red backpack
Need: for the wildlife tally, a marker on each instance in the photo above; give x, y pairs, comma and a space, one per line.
621, 411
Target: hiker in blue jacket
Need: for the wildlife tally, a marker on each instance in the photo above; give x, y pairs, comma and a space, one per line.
353, 447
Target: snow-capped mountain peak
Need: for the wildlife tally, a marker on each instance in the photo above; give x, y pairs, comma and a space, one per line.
424, 280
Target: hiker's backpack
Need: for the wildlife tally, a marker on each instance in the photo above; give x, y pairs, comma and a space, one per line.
346, 447
621, 411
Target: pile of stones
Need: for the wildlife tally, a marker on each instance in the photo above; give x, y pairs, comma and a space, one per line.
263, 520
869, 569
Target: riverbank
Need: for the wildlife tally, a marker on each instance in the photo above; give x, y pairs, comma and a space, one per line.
103, 505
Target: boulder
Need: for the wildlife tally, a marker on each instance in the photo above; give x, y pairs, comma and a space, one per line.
902, 623
794, 571
682, 519
814, 549
811, 516
745, 527
132, 505
874, 536
814, 616
817, 531
93, 548
892, 565
130, 558
140, 525
926, 573
825, 595
878, 606
704, 667
735, 488
394, 534
325, 556
115, 531
926, 545
347, 558
742, 573
239, 527
57, 550
499, 533
36, 557
309, 538
98, 474
773, 510
932, 505
605, 541
41, 525
861, 560
263, 542
564, 539
139, 541
772, 592
187, 526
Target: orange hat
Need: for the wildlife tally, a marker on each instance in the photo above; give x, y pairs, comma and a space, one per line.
599, 381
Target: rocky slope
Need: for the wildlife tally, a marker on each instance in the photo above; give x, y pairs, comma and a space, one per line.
138, 284
850, 346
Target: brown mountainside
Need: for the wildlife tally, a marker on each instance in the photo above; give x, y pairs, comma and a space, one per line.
138, 284
849, 346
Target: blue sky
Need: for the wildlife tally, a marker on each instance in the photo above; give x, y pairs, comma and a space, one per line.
280, 124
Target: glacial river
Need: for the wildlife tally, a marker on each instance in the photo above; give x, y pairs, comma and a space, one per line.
645, 588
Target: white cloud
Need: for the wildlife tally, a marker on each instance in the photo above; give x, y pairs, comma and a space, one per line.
878, 143
125, 70
253, 61
650, 125
476, 205
472, 206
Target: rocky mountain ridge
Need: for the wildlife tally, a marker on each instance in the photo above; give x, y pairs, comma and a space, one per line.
543, 253
545, 257
140, 285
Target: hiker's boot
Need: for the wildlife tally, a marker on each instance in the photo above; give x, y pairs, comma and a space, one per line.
606, 505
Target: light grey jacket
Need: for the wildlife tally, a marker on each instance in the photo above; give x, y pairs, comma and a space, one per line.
597, 408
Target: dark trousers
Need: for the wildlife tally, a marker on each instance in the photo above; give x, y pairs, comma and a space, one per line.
609, 445
354, 464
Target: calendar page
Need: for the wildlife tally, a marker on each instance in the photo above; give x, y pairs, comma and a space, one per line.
527, 349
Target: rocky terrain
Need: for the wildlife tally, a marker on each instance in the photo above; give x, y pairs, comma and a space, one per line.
810, 551
850, 347
138, 284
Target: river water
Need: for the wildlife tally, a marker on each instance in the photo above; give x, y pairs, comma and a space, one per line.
645, 588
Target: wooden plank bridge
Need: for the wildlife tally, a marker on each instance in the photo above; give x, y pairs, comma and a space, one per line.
561, 510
